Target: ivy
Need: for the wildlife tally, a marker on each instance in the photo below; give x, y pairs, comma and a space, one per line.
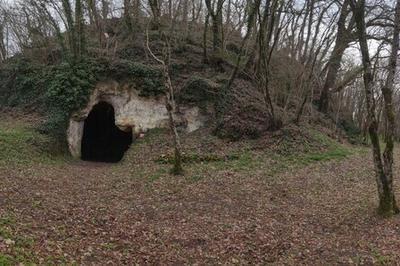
147, 80
60, 90
69, 88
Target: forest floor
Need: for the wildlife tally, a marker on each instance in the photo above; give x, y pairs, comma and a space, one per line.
263, 201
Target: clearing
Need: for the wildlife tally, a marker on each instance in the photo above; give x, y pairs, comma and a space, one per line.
257, 201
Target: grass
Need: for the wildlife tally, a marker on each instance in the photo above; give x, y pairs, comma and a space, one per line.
157, 175
381, 259
20, 144
334, 154
319, 148
6, 260
324, 149
20, 246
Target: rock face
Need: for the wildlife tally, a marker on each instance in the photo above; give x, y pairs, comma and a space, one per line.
132, 112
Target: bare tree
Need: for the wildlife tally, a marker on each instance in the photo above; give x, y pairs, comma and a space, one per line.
127, 15
3, 36
169, 102
383, 163
215, 12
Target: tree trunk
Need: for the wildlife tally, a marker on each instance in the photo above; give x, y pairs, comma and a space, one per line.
185, 17
205, 56
3, 50
169, 104
216, 17
80, 30
342, 42
105, 9
94, 14
155, 9
389, 203
226, 89
127, 15
136, 12
267, 41
383, 168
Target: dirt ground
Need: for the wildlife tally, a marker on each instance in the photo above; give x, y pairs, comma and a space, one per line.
250, 210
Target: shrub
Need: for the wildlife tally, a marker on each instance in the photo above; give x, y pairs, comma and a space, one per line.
22, 83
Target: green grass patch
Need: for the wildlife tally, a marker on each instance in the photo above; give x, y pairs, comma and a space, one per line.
317, 148
323, 149
243, 161
20, 144
380, 258
20, 247
291, 153
196, 158
338, 153
6, 260
195, 178
157, 175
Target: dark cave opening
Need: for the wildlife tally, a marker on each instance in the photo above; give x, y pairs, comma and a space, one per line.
102, 140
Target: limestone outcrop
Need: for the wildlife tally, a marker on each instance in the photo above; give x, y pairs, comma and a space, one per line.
132, 113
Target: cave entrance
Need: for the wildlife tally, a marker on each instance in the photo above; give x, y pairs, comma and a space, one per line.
102, 140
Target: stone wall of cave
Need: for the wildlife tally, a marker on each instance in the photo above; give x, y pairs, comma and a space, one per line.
132, 114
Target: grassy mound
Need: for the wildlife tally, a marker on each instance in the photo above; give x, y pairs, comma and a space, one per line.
290, 147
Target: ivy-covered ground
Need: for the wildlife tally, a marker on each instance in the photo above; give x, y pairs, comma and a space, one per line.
294, 197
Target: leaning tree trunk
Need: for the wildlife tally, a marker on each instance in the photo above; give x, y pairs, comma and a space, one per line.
383, 167
342, 41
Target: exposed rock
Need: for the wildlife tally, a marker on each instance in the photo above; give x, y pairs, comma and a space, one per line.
131, 112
